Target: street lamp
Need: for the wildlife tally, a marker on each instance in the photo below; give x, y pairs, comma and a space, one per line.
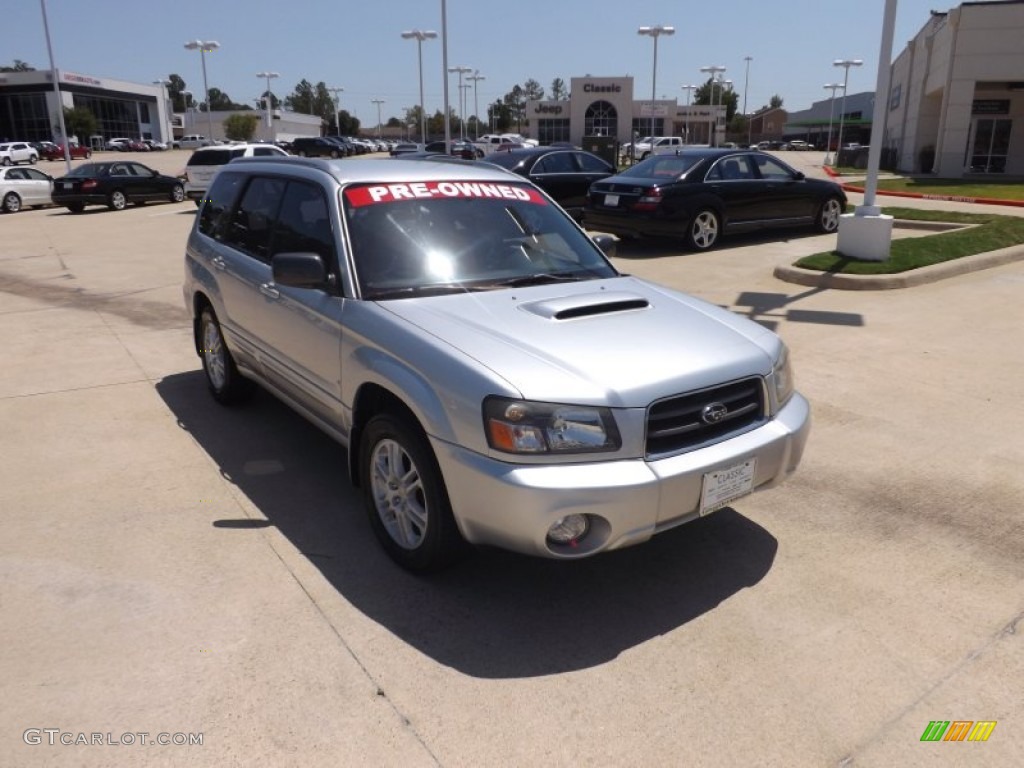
419, 36
169, 108
378, 102
686, 120
337, 109
746, 88
203, 46
269, 101
714, 71
845, 64
186, 97
461, 71
656, 31
476, 77
831, 113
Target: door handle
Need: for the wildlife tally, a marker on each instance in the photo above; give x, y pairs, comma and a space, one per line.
268, 290
218, 263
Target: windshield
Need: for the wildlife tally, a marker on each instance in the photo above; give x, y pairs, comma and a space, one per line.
663, 167
450, 237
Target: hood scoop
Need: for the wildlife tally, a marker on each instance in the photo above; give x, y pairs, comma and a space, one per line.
586, 305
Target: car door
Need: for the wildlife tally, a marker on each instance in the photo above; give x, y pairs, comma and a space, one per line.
557, 174
785, 195
146, 183
735, 182
38, 187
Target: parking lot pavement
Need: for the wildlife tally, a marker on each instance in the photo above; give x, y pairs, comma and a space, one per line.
170, 566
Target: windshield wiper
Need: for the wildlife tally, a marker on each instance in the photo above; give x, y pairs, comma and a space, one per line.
540, 278
434, 289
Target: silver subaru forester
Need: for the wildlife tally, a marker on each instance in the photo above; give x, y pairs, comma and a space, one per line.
494, 378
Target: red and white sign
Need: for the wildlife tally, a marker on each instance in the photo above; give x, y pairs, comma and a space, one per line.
427, 190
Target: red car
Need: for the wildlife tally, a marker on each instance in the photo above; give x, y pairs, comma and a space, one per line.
56, 152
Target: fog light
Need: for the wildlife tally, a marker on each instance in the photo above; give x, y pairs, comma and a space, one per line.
568, 530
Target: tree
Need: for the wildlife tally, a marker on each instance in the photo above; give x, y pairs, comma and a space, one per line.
19, 66
347, 125
775, 102
312, 100
221, 102
515, 100
723, 95
240, 127
558, 90
80, 122
533, 90
179, 101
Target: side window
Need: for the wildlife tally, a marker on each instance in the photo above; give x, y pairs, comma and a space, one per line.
772, 169
140, 170
304, 224
15, 174
216, 213
591, 164
264, 152
253, 220
32, 173
556, 162
733, 168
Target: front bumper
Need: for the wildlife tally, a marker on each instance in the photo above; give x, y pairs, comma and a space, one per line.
512, 506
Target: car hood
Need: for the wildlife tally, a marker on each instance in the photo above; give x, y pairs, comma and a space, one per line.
622, 342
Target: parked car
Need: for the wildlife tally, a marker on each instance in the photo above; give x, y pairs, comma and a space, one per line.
496, 380
23, 187
316, 146
700, 194
405, 147
117, 145
154, 145
347, 146
115, 184
204, 163
799, 145
76, 151
194, 141
464, 149
14, 152
565, 174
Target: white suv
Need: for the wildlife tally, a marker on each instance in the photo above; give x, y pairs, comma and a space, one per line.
206, 161
15, 152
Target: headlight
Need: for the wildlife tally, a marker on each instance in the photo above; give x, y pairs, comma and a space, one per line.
782, 375
522, 426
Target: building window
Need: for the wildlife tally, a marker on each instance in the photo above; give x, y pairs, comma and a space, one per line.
601, 119
989, 145
550, 131
24, 118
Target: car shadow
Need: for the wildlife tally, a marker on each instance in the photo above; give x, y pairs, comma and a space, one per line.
661, 247
495, 615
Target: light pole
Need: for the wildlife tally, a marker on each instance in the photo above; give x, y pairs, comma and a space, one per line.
714, 71
461, 71
845, 64
476, 77
56, 90
378, 102
656, 31
186, 97
831, 113
269, 101
465, 107
337, 109
168, 131
419, 36
686, 120
203, 46
746, 88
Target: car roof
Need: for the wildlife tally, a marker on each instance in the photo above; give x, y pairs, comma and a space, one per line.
397, 169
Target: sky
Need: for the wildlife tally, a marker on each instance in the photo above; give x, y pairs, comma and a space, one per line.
357, 45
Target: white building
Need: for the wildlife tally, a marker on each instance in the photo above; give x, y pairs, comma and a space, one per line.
956, 104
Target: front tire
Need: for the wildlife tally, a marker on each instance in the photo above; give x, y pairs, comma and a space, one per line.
704, 229
177, 193
117, 201
12, 203
226, 384
76, 207
405, 496
827, 220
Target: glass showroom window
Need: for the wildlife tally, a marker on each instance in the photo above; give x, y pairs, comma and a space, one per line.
600, 119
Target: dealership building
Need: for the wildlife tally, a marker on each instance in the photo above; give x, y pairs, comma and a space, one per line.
605, 106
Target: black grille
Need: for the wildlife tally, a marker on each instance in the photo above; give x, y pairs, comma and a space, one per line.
685, 422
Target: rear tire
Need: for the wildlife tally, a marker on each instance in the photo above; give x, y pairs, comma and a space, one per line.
703, 231
76, 207
117, 201
12, 203
177, 193
226, 384
405, 496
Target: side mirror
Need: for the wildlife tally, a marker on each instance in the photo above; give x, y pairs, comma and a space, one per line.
606, 243
299, 270
799, 176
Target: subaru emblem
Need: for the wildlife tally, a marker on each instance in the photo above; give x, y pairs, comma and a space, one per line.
714, 413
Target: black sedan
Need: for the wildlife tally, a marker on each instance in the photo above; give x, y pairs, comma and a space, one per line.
564, 173
114, 185
700, 194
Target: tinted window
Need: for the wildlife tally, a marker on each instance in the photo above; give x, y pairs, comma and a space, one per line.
303, 223
216, 213
265, 151
32, 173
592, 164
733, 168
771, 168
663, 166
556, 162
253, 220
211, 157
140, 170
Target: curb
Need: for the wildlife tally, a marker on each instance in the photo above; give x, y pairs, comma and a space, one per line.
909, 279
850, 187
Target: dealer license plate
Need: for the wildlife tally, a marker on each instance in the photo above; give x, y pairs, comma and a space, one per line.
67, 185
611, 200
727, 484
